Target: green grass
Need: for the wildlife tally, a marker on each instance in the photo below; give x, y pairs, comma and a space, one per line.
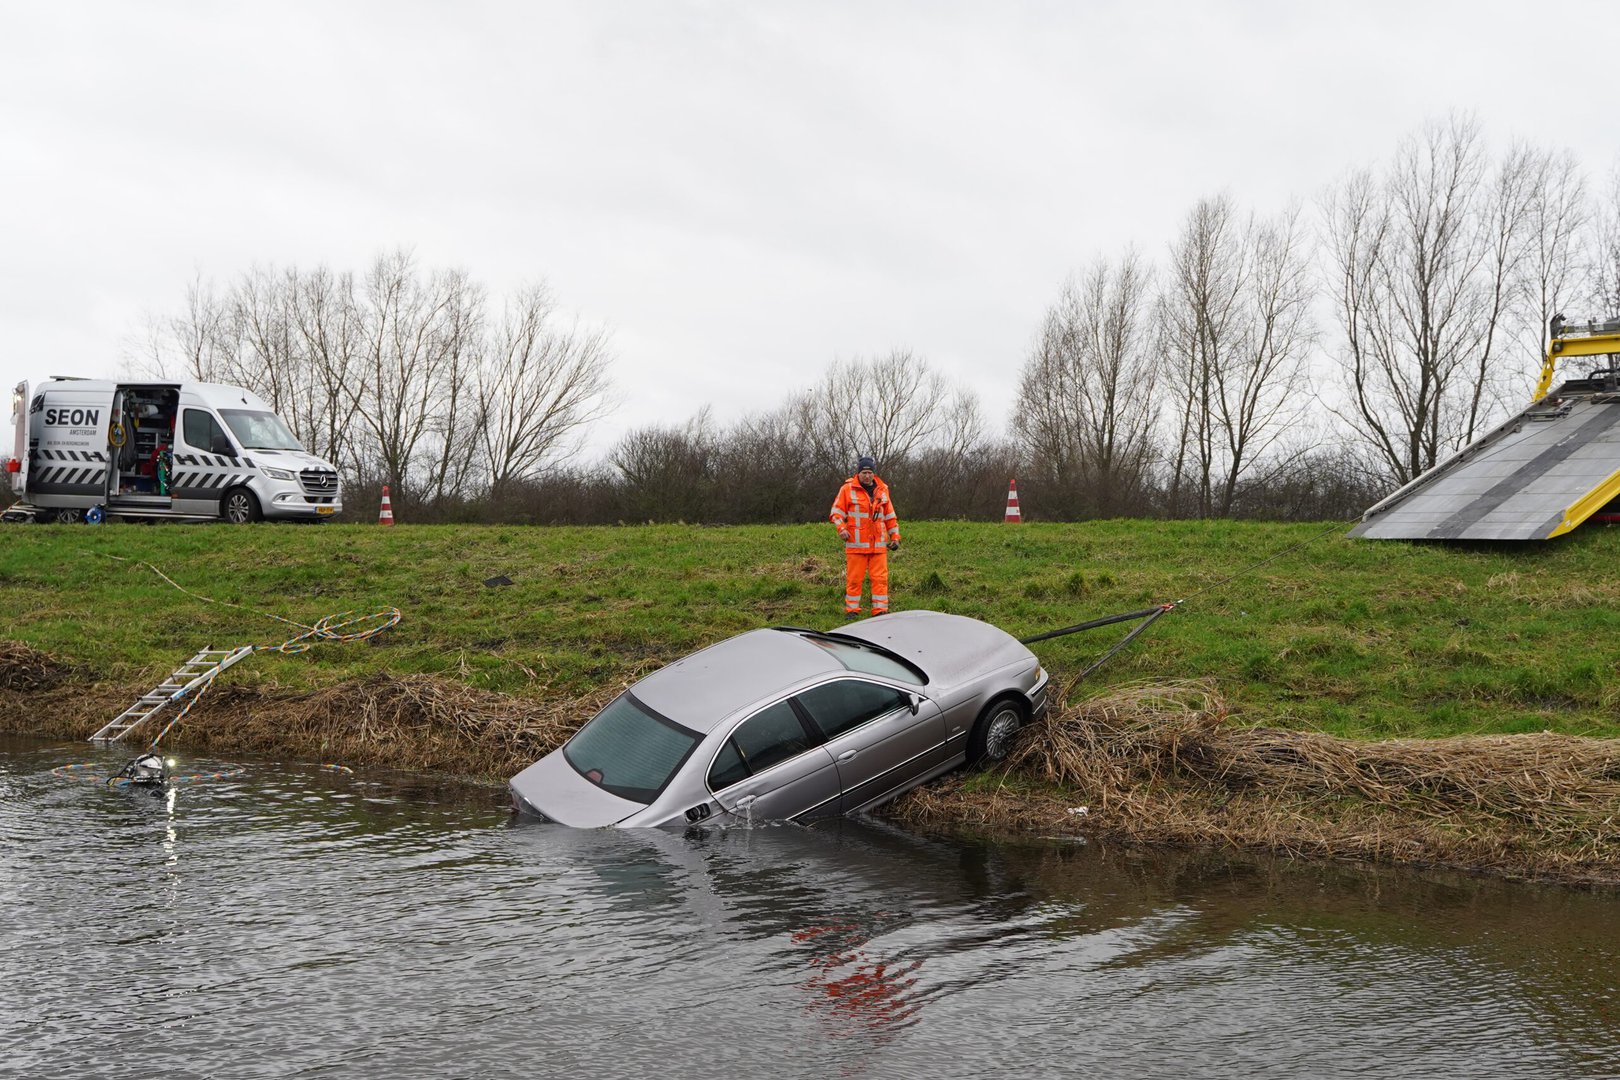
1358, 638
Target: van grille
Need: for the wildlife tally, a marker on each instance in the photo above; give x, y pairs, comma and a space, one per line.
319, 481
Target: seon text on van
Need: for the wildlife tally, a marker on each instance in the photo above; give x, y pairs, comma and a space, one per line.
89, 448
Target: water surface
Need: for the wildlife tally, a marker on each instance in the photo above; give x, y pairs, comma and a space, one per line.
303, 921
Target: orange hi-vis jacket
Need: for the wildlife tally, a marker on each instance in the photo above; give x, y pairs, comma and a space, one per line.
869, 519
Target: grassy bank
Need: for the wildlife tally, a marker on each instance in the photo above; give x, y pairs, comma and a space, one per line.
1360, 640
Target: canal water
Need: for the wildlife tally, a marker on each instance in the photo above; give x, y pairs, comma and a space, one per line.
296, 920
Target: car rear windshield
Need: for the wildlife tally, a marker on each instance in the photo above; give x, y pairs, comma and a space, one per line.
858, 657
629, 750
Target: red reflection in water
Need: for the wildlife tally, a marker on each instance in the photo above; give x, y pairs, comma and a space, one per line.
851, 987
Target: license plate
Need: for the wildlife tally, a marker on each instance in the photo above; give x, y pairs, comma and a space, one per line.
323, 510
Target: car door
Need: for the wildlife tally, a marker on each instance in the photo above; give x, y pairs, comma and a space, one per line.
880, 746
773, 768
205, 463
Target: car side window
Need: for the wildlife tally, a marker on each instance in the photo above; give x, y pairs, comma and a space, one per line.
202, 432
767, 738
836, 707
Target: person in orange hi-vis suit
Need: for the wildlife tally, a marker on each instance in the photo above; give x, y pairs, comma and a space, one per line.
863, 514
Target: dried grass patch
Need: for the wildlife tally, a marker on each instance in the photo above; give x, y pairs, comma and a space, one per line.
27, 669
419, 722
1165, 763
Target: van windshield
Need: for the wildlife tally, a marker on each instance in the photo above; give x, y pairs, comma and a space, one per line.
259, 430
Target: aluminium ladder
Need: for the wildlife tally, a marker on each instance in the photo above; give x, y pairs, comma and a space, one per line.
191, 675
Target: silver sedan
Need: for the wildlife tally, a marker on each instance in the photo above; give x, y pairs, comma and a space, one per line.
787, 723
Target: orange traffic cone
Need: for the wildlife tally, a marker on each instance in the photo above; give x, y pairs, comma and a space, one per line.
385, 516
1012, 503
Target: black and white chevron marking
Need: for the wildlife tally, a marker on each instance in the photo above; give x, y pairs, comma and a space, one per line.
199, 473
64, 471
212, 461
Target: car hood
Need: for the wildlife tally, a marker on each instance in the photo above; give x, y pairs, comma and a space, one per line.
288, 459
552, 787
949, 648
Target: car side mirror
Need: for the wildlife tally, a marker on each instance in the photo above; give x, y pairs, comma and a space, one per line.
915, 702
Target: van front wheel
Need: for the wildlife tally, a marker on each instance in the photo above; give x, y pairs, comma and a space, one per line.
240, 506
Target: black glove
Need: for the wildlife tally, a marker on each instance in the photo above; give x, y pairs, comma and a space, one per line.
894, 545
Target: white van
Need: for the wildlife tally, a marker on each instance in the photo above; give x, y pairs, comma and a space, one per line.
89, 448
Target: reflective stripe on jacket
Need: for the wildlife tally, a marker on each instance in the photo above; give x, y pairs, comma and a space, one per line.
869, 518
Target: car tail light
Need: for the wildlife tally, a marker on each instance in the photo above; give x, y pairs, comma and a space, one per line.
13, 465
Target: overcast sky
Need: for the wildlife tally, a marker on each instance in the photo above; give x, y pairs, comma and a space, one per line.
741, 193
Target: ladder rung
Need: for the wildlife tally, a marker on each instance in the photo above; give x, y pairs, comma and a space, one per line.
205, 664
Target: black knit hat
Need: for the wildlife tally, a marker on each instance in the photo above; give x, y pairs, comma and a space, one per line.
865, 463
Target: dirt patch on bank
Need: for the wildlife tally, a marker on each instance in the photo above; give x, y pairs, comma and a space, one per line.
1168, 765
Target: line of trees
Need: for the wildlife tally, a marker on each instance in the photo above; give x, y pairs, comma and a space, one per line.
1294, 366
400, 377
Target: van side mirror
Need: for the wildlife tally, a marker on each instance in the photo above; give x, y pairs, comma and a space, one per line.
223, 446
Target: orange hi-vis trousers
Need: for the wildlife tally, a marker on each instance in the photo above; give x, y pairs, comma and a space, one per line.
857, 565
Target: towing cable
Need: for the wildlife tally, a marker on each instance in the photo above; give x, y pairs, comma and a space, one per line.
1149, 615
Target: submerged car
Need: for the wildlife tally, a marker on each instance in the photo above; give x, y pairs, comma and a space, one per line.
795, 724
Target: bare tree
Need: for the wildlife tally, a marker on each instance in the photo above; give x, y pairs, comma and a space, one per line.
889, 407
397, 380
418, 344
1261, 406
1086, 401
768, 471
329, 325
287, 337
1559, 212
1237, 335
268, 360
1428, 261
1604, 283
1200, 313
198, 344
539, 386
668, 472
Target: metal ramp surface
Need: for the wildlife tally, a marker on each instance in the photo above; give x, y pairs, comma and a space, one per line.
1537, 476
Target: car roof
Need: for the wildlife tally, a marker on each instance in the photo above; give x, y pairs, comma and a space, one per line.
700, 690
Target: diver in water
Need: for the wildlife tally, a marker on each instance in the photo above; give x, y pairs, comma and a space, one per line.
148, 770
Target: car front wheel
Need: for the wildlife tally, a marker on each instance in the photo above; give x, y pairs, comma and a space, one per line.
239, 507
993, 733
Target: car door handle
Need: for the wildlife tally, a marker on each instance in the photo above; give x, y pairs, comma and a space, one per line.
847, 755
746, 801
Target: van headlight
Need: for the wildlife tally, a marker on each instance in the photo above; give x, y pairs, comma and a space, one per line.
278, 474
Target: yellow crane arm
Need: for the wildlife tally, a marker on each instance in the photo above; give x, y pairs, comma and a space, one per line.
1594, 344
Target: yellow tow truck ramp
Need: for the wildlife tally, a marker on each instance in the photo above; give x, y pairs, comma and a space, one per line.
1535, 477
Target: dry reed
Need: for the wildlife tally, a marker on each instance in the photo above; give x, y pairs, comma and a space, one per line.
27, 669
419, 722
1166, 764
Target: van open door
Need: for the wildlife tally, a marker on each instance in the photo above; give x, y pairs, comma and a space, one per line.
17, 464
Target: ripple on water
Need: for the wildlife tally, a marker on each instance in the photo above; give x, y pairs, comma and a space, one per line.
295, 921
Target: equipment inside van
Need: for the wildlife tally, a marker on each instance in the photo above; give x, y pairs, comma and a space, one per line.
88, 448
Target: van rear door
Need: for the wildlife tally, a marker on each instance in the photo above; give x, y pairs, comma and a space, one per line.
19, 425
